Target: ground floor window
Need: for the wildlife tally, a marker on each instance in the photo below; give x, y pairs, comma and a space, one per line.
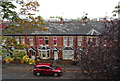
45, 54
68, 54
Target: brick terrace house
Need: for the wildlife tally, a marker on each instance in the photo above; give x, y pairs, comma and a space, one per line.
62, 40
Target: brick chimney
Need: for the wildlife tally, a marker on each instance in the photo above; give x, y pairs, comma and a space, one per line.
105, 20
61, 21
84, 20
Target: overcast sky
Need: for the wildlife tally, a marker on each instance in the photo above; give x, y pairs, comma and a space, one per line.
75, 8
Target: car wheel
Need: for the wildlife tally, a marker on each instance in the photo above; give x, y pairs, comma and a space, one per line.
38, 74
55, 74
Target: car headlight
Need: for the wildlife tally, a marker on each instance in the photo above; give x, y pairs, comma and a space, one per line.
59, 71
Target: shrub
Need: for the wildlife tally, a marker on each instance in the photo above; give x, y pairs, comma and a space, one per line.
8, 59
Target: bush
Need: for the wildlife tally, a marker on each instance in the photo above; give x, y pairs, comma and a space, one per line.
27, 60
31, 61
8, 59
19, 55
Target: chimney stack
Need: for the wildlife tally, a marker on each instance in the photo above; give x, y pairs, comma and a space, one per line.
61, 21
84, 20
105, 20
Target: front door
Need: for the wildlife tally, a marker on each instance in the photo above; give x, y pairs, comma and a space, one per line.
55, 55
32, 54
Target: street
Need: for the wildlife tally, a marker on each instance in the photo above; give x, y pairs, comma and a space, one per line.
22, 71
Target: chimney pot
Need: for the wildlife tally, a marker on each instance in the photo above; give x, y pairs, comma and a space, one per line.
61, 21
84, 20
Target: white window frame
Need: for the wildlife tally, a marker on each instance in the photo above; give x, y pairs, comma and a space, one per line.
46, 39
42, 53
69, 54
91, 40
3, 42
65, 41
31, 41
55, 38
46, 54
17, 39
71, 41
40, 40
80, 41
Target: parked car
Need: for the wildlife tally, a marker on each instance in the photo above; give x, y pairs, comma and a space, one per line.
47, 69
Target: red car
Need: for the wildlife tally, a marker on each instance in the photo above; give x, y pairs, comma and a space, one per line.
47, 69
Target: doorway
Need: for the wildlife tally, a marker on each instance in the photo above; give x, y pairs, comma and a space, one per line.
55, 55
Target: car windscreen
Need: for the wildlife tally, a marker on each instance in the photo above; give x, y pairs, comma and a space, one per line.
54, 67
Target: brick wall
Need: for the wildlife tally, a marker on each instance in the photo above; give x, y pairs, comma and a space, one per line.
36, 43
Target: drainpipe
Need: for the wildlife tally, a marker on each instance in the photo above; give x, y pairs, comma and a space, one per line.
36, 46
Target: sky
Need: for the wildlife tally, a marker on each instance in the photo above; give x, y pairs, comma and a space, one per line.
75, 8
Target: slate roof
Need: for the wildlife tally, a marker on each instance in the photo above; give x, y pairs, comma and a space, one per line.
69, 28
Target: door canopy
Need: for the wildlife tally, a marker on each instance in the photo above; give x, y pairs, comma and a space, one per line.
55, 49
32, 49
44, 48
68, 48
